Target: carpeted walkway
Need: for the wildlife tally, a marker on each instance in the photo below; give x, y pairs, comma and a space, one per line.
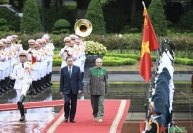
27, 105
114, 116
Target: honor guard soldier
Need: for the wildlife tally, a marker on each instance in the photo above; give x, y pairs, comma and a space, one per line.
49, 53
7, 64
17, 43
66, 51
31, 43
156, 122
51, 47
44, 62
22, 74
2, 68
35, 63
37, 66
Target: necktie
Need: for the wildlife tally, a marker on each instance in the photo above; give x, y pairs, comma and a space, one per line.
22, 65
69, 71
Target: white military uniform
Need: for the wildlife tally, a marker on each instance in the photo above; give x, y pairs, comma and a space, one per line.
64, 54
23, 78
166, 63
2, 67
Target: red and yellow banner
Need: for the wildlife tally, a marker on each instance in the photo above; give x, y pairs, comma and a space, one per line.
149, 43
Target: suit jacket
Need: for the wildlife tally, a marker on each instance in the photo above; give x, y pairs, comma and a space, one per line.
67, 83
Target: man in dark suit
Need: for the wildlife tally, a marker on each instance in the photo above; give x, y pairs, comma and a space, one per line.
70, 86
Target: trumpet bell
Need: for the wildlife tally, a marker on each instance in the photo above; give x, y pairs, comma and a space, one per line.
83, 27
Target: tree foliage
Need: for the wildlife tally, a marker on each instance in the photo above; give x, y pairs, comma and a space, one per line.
95, 15
158, 19
61, 26
13, 20
103, 2
186, 21
114, 19
57, 12
30, 22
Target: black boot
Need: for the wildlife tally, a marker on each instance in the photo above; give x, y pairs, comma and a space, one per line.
8, 83
22, 113
1, 89
19, 103
50, 79
40, 85
4, 87
47, 80
33, 90
34, 84
82, 74
13, 82
29, 92
43, 82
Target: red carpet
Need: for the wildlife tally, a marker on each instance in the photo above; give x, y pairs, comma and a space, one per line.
27, 105
114, 116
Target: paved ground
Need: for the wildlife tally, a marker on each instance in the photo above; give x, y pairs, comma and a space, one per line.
130, 77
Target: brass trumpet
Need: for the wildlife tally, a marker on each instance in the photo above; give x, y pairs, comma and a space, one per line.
65, 49
17, 41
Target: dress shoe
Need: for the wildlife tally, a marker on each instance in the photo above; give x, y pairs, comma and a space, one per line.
22, 118
50, 83
65, 120
100, 120
72, 121
95, 119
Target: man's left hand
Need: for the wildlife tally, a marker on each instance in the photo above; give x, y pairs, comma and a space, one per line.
79, 91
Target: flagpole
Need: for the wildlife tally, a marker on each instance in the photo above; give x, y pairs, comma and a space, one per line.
143, 4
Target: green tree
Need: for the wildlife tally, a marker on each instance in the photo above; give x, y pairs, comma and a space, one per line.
95, 15
61, 26
13, 20
30, 22
186, 22
158, 19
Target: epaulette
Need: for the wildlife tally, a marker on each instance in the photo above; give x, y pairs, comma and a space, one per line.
16, 64
29, 63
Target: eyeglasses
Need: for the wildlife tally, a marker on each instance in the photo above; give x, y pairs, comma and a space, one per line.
35, 47
22, 56
99, 62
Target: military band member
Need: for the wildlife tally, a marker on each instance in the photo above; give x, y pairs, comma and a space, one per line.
82, 57
66, 51
22, 74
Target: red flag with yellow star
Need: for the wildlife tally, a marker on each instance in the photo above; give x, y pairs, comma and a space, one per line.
149, 43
